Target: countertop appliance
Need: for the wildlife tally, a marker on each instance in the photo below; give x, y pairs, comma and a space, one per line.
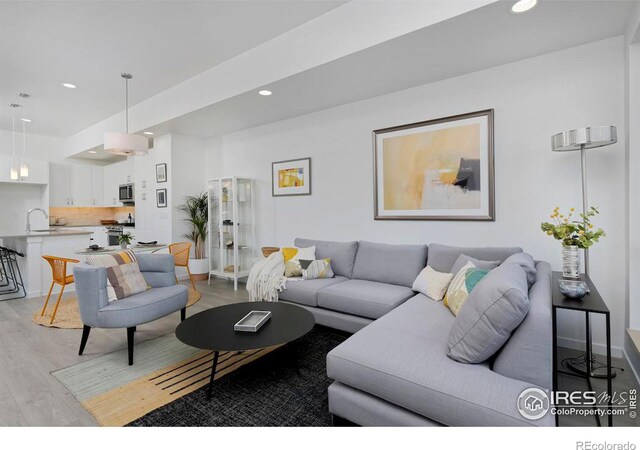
126, 193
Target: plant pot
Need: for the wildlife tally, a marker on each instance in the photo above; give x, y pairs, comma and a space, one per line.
123, 245
199, 268
571, 261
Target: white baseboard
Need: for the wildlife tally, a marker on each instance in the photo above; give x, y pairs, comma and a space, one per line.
599, 349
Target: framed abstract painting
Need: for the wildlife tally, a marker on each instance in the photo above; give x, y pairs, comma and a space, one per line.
440, 169
291, 177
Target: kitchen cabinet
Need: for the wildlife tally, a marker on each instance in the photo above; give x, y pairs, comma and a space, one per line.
38, 170
97, 186
76, 185
59, 184
112, 174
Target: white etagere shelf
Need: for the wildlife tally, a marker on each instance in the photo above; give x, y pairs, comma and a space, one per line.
232, 235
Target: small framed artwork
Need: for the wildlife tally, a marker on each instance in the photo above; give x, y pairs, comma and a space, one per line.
292, 177
161, 173
439, 169
161, 198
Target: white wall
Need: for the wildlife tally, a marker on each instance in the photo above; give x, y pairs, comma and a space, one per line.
43, 147
16, 200
187, 179
533, 99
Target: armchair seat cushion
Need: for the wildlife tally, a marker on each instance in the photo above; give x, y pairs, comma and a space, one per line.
143, 307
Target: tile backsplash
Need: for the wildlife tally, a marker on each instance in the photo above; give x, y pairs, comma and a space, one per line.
85, 216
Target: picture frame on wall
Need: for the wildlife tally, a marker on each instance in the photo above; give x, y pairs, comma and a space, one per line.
161, 173
161, 198
440, 169
291, 177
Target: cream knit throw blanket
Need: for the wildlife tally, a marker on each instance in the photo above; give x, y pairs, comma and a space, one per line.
266, 279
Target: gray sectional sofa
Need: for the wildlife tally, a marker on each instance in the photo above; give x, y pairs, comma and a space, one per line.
394, 369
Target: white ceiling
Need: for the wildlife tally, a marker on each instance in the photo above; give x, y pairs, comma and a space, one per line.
480, 39
46, 43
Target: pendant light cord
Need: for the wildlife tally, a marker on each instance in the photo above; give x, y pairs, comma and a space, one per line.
126, 102
24, 132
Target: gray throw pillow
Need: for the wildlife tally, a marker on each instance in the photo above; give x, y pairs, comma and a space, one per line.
525, 261
495, 307
480, 264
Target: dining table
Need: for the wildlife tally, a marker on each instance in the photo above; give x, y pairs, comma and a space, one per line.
112, 249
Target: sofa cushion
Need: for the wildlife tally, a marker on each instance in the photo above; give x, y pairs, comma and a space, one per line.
386, 263
497, 305
305, 292
527, 354
401, 358
143, 307
342, 254
480, 264
363, 298
442, 257
525, 261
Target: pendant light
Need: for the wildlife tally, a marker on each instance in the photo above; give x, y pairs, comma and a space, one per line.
14, 165
125, 143
24, 167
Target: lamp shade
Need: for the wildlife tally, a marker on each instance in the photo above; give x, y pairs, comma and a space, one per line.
590, 137
126, 144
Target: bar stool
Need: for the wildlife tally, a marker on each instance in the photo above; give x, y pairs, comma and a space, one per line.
11, 281
180, 252
59, 274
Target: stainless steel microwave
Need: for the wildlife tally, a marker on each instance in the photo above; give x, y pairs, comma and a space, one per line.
126, 194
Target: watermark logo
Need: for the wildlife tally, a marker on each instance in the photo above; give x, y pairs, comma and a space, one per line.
533, 403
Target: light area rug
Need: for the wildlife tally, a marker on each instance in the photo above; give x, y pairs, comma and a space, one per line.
165, 369
68, 315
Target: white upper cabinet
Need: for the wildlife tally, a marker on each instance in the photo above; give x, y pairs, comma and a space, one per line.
76, 185
97, 186
80, 185
59, 187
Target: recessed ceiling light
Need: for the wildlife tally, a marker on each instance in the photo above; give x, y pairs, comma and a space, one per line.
93, 152
24, 119
150, 133
69, 85
265, 92
523, 6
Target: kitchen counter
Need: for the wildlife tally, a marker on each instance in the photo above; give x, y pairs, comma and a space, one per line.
36, 272
41, 233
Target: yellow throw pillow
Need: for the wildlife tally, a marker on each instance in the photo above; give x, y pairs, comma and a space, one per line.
289, 253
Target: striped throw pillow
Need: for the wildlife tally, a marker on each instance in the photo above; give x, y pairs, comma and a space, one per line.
118, 259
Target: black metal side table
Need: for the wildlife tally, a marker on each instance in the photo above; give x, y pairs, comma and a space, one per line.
590, 303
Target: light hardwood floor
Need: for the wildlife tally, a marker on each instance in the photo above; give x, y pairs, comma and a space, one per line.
30, 396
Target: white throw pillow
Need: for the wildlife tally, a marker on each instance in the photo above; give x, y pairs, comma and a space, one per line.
431, 283
308, 253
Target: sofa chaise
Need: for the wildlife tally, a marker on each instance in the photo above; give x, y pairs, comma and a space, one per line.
394, 371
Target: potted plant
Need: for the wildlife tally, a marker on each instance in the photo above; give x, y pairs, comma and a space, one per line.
197, 210
125, 240
574, 235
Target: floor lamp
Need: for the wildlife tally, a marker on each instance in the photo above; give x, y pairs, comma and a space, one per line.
583, 139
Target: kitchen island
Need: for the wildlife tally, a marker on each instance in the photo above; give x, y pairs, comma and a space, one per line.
36, 272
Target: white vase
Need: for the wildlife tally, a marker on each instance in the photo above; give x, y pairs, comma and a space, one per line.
123, 245
199, 268
571, 261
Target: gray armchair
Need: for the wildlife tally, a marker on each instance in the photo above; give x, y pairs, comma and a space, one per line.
164, 298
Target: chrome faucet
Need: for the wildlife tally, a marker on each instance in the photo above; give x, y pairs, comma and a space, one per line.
29, 214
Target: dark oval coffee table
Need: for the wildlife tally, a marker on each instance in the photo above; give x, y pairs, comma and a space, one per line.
213, 329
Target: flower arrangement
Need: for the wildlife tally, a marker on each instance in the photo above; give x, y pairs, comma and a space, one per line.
579, 233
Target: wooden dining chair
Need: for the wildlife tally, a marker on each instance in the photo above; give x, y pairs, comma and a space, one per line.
59, 275
180, 252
